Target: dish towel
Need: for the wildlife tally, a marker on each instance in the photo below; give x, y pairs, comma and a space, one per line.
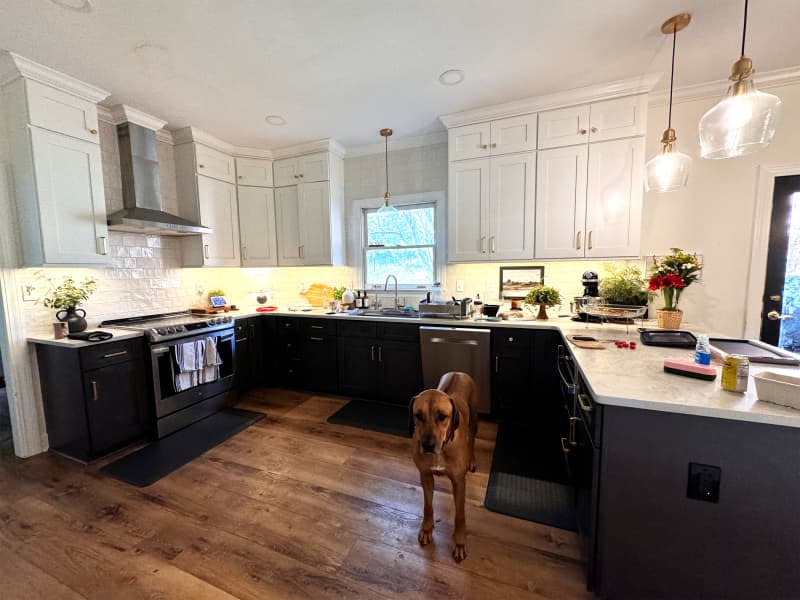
190, 362
210, 370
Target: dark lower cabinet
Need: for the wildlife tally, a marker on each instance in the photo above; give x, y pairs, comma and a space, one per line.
307, 353
399, 371
512, 396
357, 375
251, 347
95, 397
319, 363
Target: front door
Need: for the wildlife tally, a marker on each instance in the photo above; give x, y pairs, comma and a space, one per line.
780, 316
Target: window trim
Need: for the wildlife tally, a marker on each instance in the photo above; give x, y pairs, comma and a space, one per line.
365, 248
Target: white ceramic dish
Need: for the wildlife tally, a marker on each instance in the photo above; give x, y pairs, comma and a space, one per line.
778, 388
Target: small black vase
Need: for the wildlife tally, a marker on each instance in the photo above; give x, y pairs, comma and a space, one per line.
74, 321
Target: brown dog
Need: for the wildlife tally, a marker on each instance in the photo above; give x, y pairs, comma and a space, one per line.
444, 423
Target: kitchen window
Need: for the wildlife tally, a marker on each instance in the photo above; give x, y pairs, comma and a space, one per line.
400, 243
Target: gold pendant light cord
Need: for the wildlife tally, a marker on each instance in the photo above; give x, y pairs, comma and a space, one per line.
386, 154
672, 75
744, 27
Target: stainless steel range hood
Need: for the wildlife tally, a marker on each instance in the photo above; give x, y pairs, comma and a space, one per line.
143, 210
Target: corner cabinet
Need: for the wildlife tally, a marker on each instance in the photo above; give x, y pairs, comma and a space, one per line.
491, 208
54, 153
257, 226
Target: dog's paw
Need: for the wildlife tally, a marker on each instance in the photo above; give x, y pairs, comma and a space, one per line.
425, 536
459, 552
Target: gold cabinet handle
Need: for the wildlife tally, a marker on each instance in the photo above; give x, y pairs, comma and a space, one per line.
583, 132
205, 250
244, 252
590, 241
578, 240
113, 354
93, 131
103, 245
494, 145
483, 245
241, 176
201, 166
95, 395
594, 129
301, 250
484, 146
300, 176
584, 403
492, 245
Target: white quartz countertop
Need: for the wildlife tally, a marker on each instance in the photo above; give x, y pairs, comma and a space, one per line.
47, 337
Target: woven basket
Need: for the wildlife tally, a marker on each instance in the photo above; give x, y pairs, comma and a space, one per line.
669, 319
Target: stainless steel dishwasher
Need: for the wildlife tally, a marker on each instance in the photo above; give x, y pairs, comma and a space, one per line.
464, 349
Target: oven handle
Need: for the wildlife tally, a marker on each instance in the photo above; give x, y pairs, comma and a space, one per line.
570, 385
159, 350
165, 349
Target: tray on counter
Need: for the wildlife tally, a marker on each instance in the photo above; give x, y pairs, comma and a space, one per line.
671, 338
756, 351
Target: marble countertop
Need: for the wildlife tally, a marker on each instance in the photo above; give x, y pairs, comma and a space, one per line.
119, 334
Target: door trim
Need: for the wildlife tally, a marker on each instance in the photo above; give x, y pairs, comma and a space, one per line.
762, 217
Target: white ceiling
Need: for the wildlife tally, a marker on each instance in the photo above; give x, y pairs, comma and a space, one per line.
346, 68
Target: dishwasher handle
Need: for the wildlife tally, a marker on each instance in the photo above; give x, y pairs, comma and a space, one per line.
463, 342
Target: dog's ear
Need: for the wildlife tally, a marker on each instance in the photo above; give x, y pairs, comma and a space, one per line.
455, 419
411, 417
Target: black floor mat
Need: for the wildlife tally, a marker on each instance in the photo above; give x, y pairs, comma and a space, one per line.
149, 464
529, 477
375, 416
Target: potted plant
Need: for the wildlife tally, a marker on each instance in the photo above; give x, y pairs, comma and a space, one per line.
671, 275
543, 296
625, 286
66, 297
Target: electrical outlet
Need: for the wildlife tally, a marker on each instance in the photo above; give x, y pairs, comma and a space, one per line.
200, 289
459, 285
703, 482
29, 292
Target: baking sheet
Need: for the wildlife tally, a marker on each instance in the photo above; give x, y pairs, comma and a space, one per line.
756, 351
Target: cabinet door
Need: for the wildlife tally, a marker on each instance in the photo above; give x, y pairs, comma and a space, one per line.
254, 171
315, 228
357, 359
257, 227
614, 198
469, 141
564, 127
561, 202
468, 211
115, 405
286, 171
61, 112
511, 395
72, 206
515, 134
314, 167
400, 371
244, 375
622, 117
511, 207
287, 220
213, 163
319, 363
218, 211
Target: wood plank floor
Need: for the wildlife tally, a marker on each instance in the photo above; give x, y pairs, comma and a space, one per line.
292, 507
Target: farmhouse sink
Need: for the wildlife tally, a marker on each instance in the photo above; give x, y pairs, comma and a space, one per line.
383, 312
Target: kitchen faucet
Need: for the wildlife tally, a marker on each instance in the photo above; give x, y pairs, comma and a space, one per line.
386, 288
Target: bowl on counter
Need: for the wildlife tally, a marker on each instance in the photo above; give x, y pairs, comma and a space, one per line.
491, 310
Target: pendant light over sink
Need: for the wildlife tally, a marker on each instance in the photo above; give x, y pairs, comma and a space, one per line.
387, 207
744, 120
669, 170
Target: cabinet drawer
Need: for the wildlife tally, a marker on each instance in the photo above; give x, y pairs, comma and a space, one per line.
286, 171
564, 127
356, 328
287, 325
212, 163
254, 171
55, 110
110, 353
318, 327
509, 338
469, 141
314, 167
289, 345
397, 331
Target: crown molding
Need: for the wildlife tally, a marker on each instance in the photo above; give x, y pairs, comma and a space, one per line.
401, 143
106, 115
716, 89
13, 66
326, 145
582, 95
244, 152
122, 113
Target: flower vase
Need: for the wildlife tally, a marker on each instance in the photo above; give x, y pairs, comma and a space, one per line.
542, 316
74, 321
669, 319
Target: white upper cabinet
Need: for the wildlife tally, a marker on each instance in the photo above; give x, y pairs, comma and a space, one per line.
561, 202
618, 118
564, 127
254, 172
287, 217
468, 210
59, 111
514, 134
315, 231
511, 207
614, 198
469, 141
257, 226
72, 211
301, 169
217, 202
212, 163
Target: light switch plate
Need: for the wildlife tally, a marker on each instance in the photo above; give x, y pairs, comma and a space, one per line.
459, 285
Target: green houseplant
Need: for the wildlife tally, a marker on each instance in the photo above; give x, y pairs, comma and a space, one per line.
625, 285
543, 296
66, 297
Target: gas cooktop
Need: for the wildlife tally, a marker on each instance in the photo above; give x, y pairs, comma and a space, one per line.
167, 326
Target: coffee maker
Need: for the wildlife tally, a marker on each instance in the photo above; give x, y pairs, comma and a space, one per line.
591, 292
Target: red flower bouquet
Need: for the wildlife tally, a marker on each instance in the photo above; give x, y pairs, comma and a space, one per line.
672, 274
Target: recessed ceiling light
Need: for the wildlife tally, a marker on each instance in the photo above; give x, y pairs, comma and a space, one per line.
76, 5
451, 77
276, 120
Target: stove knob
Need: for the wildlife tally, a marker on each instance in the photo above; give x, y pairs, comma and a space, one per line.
227, 319
170, 330
162, 331
180, 328
213, 321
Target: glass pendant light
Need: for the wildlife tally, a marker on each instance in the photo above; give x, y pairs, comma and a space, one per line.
387, 208
669, 170
744, 120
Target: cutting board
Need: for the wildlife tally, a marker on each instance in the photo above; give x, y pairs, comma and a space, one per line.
585, 344
318, 294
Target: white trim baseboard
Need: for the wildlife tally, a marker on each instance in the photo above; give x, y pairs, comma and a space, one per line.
762, 217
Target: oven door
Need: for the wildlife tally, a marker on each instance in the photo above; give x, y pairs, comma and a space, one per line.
167, 399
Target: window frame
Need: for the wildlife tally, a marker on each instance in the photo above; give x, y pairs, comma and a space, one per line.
365, 248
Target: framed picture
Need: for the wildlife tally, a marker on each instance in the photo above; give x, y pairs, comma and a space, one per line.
516, 282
